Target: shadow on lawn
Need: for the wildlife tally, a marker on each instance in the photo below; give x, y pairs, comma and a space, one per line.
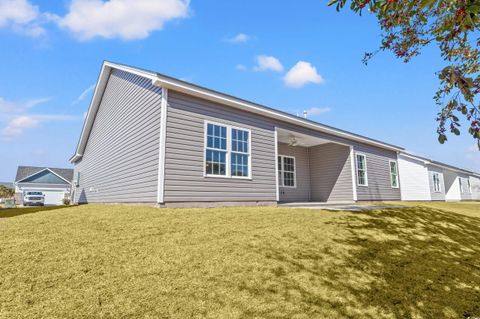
402, 263
12, 212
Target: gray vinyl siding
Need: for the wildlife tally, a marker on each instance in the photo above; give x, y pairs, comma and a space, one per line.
378, 174
436, 195
184, 163
379, 187
301, 191
330, 173
184, 158
120, 162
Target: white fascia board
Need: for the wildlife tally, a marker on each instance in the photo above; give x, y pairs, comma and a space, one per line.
190, 89
97, 98
193, 90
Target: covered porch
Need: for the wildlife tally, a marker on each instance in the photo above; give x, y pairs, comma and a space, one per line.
314, 169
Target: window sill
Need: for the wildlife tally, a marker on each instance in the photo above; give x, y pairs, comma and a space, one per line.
228, 177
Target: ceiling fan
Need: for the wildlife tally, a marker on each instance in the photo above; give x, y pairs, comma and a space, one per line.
293, 141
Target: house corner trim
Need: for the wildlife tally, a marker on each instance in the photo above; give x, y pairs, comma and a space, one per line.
162, 146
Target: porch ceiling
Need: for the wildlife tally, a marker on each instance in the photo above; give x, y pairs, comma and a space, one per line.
286, 136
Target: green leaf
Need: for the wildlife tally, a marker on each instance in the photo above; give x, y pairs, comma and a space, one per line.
442, 138
473, 8
427, 3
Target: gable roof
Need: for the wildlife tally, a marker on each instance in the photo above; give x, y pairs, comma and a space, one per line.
24, 172
164, 81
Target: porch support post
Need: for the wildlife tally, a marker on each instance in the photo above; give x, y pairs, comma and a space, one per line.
277, 190
354, 177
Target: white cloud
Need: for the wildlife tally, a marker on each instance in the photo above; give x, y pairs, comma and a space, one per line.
19, 124
241, 67
18, 107
16, 126
15, 117
125, 19
301, 74
239, 38
265, 62
84, 94
313, 111
22, 17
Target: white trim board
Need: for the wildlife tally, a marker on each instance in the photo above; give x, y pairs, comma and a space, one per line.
162, 147
194, 90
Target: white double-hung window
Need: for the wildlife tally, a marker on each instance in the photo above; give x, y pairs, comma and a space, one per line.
436, 182
361, 164
240, 152
394, 174
286, 171
227, 151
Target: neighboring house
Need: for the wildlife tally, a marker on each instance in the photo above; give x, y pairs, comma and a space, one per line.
427, 179
150, 138
54, 183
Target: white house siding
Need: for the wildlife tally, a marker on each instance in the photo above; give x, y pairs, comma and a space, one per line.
452, 186
436, 196
120, 162
301, 191
475, 185
414, 179
330, 173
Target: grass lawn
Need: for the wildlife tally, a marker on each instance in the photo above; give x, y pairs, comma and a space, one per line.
136, 262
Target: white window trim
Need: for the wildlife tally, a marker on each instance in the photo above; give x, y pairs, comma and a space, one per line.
439, 184
366, 169
469, 186
390, 170
228, 156
462, 191
281, 182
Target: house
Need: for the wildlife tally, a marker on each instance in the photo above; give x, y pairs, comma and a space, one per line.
426, 179
54, 183
149, 138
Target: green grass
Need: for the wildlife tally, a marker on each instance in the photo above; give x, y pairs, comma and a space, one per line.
138, 262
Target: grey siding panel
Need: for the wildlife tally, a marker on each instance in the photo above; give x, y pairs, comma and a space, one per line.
301, 192
331, 173
184, 158
436, 195
378, 174
379, 187
120, 163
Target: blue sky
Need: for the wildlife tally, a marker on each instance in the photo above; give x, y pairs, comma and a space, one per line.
291, 56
